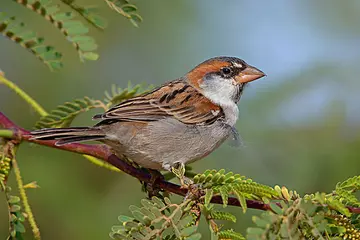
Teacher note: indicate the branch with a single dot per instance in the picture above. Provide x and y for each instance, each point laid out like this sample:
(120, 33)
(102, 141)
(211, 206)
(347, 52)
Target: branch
(103, 152)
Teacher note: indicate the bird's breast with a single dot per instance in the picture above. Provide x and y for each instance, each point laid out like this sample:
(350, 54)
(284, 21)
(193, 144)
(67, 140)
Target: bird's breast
(168, 141)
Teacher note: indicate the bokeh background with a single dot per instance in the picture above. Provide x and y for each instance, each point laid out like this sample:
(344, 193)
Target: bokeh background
(300, 124)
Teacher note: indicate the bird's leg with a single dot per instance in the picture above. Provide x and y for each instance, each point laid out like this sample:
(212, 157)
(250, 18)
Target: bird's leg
(194, 190)
(179, 170)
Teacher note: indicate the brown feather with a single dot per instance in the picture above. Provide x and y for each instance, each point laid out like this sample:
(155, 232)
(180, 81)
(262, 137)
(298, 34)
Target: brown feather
(176, 99)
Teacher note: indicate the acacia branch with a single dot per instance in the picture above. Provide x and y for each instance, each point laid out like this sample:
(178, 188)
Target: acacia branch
(103, 152)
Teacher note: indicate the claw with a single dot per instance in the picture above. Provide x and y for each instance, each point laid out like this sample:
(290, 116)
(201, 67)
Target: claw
(179, 170)
(194, 190)
(150, 187)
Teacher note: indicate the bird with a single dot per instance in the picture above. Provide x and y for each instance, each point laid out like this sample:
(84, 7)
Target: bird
(175, 124)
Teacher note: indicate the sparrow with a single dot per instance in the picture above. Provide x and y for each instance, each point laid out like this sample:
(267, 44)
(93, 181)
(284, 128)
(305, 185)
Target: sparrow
(175, 124)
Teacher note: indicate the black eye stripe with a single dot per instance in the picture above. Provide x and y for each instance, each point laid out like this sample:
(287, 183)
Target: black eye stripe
(228, 72)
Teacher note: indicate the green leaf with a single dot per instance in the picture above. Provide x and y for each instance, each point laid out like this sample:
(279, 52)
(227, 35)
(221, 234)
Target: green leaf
(137, 236)
(19, 227)
(13, 199)
(255, 231)
(196, 236)
(148, 213)
(276, 208)
(138, 216)
(146, 203)
(217, 215)
(156, 211)
(88, 46)
(185, 221)
(224, 193)
(15, 208)
(208, 196)
(177, 216)
(117, 228)
(16, 32)
(64, 114)
(170, 220)
(131, 225)
(188, 231)
(89, 13)
(127, 10)
(70, 28)
(241, 199)
(62, 16)
(230, 234)
(21, 217)
(260, 222)
(123, 218)
(216, 177)
(90, 56)
(167, 201)
(135, 19)
(75, 28)
(158, 202)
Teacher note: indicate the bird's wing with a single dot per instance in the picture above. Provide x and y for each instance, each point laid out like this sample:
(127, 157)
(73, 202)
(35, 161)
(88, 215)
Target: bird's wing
(176, 99)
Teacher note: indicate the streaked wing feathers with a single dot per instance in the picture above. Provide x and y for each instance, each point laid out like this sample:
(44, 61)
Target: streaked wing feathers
(176, 99)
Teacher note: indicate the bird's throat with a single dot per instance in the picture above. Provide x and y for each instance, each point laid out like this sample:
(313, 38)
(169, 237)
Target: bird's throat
(231, 112)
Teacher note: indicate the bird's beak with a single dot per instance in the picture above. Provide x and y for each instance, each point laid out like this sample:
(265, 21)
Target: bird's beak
(249, 74)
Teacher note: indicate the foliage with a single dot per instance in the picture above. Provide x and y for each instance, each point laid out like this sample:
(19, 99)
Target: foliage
(343, 196)
(5, 167)
(226, 184)
(90, 13)
(303, 219)
(74, 31)
(16, 215)
(344, 191)
(212, 216)
(126, 9)
(64, 114)
(314, 216)
(157, 219)
(117, 94)
(291, 216)
(16, 32)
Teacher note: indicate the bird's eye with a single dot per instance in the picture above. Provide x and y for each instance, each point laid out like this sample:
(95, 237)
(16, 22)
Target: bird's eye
(226, 70)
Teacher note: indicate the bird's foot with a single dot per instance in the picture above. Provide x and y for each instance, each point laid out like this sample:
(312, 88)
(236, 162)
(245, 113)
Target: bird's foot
(179, 170)
(151, 187)
(194, 190)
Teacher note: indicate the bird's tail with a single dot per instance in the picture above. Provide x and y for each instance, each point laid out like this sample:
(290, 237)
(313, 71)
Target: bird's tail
(68, 135)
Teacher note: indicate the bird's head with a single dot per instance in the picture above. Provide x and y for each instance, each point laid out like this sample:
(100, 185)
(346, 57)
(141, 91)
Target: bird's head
(222, 79)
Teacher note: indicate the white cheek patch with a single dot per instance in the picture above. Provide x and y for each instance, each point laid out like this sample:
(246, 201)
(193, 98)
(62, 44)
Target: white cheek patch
(221, 92)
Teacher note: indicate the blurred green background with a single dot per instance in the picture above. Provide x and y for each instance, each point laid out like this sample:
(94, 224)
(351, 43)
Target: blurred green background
(300, 124)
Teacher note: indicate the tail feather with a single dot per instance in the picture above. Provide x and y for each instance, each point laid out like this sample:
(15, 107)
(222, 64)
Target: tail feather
(58, 130)
(78, 139)
(68, 135)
